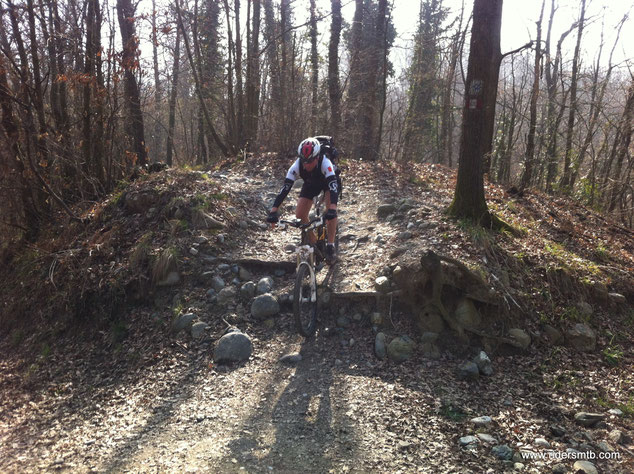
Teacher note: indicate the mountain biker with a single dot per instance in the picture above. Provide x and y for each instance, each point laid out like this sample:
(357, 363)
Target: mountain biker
(319, 173)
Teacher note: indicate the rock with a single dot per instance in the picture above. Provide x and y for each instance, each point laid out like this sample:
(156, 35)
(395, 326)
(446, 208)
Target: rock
(468, 371)
(615, 412)
(397, 252)
(198, 329)
(244, 274)
(430, 350)
(382, 284)
(484, 363)
(280, 272)
(224, 268)
(616, 436)
(486, 438)
(265, 285)
(585, 310)
(400, 349)
(518, 466)
(201, 239)
(220, 238)
(541, 443)
(604, 447)
(290, 248)
(467, 440)
(405, 235)
(410, 225)
(183, 321)
(357, 317)
(502, 452)
(385, 210)
(291, 359)
(617, 298)
(376, 319)
(560, 469)
(138, 202)
(247, 290)
(265, 306)
(482, 420)
(172, 279)
(380, 350)
(217, 283)
(233, 347)
(557, 431)
(585, 467)
(226, 295)
(343, 322)
(211, 295)
(582, 338)
(520, 338)
(467, 314)
(193, 251)
(429, 337)
(553, 334)
(588, 419)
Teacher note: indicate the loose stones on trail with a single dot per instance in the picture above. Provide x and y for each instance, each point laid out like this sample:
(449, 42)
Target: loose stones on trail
(233, 347)
(265, 306)
(400, 349)
(582, 338)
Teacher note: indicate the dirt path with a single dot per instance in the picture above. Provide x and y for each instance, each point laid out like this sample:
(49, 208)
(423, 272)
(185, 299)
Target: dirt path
(161, 405)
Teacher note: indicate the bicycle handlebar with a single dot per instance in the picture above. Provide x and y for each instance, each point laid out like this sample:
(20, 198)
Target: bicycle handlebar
(308, 226)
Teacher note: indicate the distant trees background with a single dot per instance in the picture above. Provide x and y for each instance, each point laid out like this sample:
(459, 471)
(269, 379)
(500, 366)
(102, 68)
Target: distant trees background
(90, 89)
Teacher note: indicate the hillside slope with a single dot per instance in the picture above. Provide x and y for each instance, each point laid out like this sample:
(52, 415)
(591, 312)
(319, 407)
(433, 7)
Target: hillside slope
(93, 377)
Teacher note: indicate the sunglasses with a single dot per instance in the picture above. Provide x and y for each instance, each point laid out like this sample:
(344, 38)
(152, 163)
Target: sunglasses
(309, 160)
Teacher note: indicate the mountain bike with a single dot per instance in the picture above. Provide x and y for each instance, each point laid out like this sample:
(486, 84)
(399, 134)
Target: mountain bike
(310, 258)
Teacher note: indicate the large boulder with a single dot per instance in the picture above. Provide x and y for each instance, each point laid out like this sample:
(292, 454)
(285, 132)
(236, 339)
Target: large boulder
(264, 306)
(138, 202)
(385, 210)
(467, 314)
(400, 349)
(582, 338)
(233, 347)
(520, 338)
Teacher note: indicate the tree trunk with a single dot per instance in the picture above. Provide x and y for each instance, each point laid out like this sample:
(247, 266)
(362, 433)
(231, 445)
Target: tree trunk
(478, 117)
(239, 85)
(366, 146)
(156, 139)
(130, 64)
(314, 60)
(529, 161)
(565, 179)
(31, 219)
(357, 84)
(334, 89)
(172, 105)
(253, 79)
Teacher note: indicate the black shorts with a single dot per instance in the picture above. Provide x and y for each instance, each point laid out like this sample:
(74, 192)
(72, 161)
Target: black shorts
(310, 189)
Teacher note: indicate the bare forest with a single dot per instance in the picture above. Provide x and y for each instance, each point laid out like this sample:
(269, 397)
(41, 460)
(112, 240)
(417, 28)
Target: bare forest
(92, 90)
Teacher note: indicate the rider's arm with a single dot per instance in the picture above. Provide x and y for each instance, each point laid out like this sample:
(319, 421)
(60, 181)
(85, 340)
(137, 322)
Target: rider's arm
(328, 170)
(291, 176)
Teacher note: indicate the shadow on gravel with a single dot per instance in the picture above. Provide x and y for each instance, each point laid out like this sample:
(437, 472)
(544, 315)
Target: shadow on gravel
(301, 429)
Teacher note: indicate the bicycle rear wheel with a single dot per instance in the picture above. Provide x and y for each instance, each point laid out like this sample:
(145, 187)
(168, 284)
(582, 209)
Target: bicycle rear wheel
(305, 301)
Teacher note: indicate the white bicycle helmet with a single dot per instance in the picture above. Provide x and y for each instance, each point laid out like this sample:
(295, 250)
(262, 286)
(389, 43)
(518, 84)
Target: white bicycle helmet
(308, 150)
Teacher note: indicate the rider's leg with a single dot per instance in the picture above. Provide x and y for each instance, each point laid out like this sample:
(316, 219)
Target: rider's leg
(332, 223)
(301, 212)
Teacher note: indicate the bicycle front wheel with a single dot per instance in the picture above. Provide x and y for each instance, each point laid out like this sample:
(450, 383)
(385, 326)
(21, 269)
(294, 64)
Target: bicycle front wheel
(305, 301)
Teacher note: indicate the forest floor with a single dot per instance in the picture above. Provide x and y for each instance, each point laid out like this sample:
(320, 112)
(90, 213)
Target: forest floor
(126, 394)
